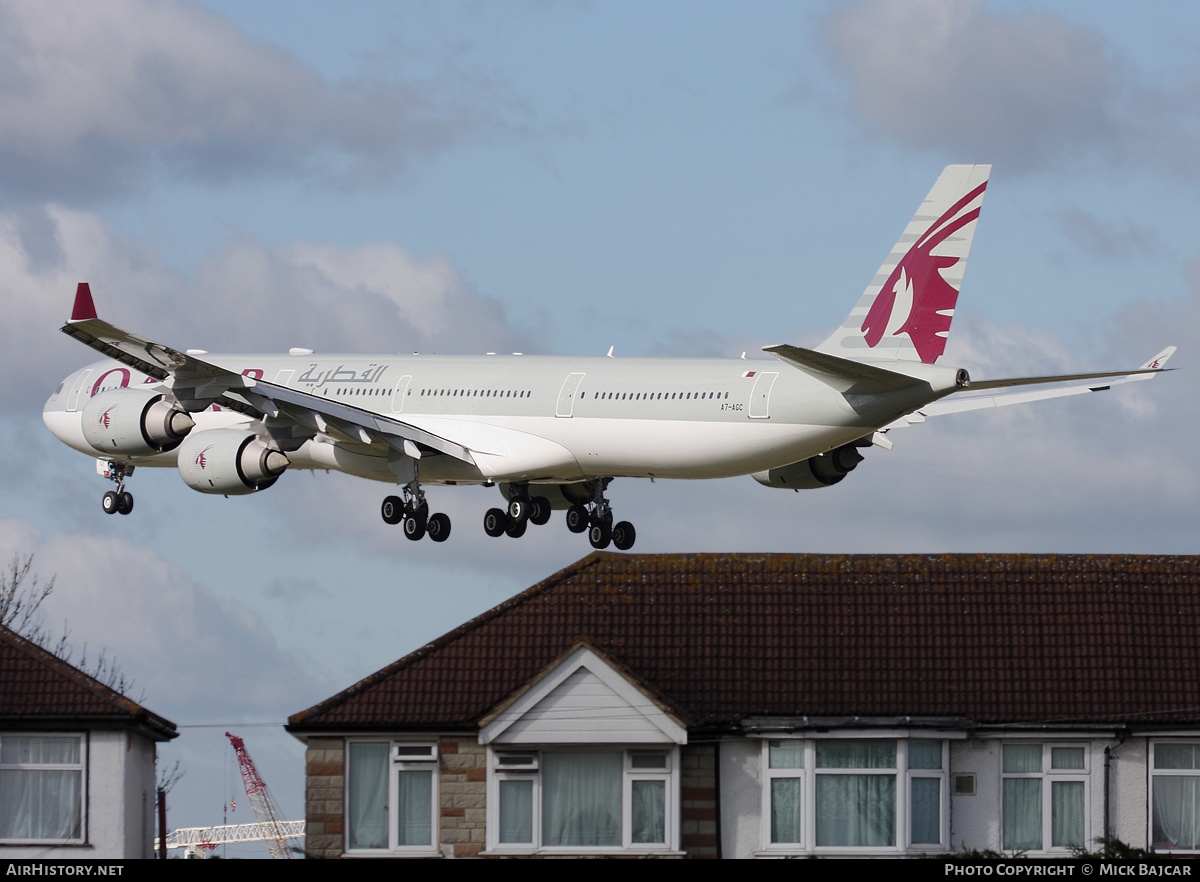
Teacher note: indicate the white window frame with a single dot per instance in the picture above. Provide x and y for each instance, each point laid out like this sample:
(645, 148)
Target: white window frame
(80, 767)
(1049, 776)
(499, 772)
(1156, 773)
(403, 755)
(901, 773)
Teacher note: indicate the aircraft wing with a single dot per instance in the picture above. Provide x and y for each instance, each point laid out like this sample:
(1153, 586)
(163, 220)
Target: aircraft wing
(965, 401)
(197, 384)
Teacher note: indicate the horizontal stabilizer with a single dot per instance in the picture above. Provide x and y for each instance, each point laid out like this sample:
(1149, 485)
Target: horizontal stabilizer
(965, 402)
(1153, 366)
(842, 373)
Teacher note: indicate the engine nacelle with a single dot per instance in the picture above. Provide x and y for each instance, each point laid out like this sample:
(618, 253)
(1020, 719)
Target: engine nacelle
(231, 462)
(135, 422)
(822, 470)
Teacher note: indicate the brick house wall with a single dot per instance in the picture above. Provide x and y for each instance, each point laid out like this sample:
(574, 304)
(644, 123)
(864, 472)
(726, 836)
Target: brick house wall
(698, 794)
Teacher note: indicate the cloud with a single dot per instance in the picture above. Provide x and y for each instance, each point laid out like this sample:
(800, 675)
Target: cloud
(248, 296)
(99, 98)
(192, 653)
(1020, 89)
(1106, 239)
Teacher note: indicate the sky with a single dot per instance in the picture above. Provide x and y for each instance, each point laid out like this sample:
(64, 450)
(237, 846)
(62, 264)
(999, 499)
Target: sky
(667, 179)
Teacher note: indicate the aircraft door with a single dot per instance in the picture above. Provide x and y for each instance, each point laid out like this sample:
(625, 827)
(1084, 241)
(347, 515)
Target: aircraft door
(566, 395)
(284, 377)
(73, 395)
(760, 396)
(400, 393)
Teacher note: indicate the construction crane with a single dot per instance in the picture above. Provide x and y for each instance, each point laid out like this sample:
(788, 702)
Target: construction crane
(260, 799)
(199, 840)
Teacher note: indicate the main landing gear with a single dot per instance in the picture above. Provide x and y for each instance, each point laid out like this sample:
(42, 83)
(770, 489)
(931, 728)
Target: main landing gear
(119, 501)
(522, 510)
(593, 517)
(413, 512)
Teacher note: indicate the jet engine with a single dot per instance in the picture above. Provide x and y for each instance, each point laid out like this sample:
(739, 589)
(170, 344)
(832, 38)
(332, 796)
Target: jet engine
(822, 470)
(135, 422)
(231, 462)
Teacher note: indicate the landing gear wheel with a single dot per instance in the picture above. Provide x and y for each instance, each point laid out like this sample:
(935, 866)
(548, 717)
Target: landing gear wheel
(438, 527)
(600, 534)
(518, 509)
(623, 535)
(124, 502)
(414, 525)
(111, 502)
(577, 518)
(539, 510)
(393, 510)
(516, 529)
(495, 522)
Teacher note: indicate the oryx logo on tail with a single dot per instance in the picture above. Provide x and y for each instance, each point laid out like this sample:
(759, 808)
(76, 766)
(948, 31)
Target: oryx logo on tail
(918, 280)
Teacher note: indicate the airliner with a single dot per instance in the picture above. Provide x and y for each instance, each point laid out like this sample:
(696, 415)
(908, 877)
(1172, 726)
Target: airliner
(551, 432)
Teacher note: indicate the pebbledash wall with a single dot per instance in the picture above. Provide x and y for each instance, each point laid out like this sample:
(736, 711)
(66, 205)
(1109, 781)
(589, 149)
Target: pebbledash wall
(1115, 778)
(117, 771)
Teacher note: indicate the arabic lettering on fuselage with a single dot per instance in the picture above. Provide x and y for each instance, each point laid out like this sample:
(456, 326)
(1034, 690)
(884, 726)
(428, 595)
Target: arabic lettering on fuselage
(372, 373)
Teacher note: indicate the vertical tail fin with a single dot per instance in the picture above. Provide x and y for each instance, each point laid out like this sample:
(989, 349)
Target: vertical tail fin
(906, 311)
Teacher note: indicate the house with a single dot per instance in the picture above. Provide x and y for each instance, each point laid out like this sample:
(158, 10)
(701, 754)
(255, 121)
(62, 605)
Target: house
(76, 761)
(769, 705)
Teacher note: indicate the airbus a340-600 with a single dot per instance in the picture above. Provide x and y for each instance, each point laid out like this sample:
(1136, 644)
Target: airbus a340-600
(552, 432)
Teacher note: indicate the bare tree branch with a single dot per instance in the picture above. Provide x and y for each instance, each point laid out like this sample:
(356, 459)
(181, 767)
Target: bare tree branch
(21, 599)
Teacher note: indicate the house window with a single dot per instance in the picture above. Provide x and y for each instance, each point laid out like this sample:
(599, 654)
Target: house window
(1175, 796)
(1044, 797)
(582, 800)
(391, 790)
(863, 793)
(41, 788)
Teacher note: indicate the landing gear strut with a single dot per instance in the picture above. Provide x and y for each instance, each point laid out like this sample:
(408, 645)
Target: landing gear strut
(412, 510)
(119, 501)
(599, 522)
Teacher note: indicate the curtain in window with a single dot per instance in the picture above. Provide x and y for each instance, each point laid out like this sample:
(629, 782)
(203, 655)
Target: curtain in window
(581, 798)
(415, 824)
(41, 803)
(1176, 810)
(367, 814)
(865, 754)
(1022, 812)
(516, 811)
(785, 809)
(649, 811)
(1066, 814)
(858, 810)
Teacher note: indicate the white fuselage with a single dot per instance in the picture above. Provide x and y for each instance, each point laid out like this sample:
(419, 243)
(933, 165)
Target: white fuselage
(544, 419)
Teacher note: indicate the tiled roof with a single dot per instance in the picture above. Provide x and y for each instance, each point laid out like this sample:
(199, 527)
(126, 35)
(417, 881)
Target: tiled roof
(988, 638)
(39, 689)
